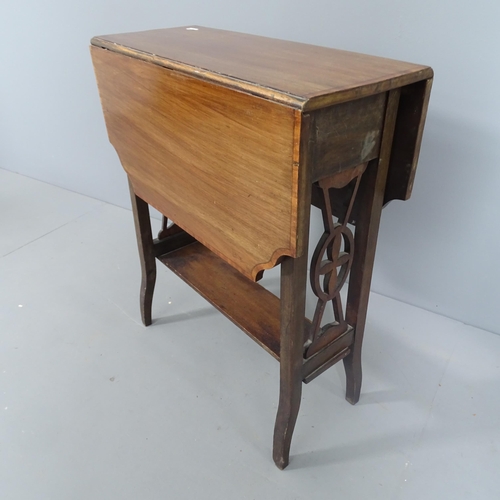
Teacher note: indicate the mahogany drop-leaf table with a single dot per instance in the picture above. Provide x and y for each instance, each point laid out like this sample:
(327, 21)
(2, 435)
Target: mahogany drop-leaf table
(233, 137)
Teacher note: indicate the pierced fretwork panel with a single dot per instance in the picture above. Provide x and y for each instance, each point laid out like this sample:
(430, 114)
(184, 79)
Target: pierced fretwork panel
(331, 261)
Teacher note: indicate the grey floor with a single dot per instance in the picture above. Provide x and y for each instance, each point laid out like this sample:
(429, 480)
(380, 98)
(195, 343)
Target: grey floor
(95, 406)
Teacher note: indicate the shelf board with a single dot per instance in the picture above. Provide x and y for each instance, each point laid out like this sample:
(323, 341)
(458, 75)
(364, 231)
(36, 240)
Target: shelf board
(247, 304)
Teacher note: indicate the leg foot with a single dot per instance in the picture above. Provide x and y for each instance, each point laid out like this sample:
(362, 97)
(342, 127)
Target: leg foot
(288, 410)
(146, 297)
(354, 376)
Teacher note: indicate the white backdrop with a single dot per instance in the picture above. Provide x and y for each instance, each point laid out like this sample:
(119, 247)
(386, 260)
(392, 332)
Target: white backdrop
(437, 251)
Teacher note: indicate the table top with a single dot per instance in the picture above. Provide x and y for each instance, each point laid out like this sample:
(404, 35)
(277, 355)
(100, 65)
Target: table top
(299, 75)
(224, 132)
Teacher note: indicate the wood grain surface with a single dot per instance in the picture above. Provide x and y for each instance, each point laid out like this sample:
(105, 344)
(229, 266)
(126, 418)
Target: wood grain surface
(297, 74)
(346, 134)
(221, 164)
(247, 304)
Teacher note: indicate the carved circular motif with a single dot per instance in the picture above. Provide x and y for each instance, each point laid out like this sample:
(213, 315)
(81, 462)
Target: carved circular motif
(332, 260)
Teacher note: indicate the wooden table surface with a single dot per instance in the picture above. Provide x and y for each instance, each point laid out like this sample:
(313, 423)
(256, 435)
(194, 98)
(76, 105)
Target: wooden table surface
(214, 144)
(300, 75)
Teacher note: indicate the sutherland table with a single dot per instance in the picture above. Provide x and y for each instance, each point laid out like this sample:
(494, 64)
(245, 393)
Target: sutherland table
(232, 137)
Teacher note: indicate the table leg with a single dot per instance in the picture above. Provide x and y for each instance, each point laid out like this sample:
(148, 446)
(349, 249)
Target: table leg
(370, 199)
(293, 287)
(146, 254)
(365, 241)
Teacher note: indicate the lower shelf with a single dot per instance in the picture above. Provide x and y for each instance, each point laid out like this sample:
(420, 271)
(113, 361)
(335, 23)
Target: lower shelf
(247, 304)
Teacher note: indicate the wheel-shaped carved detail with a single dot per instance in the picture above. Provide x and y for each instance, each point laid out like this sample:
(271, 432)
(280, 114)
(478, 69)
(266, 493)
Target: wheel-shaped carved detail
(331, 263)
